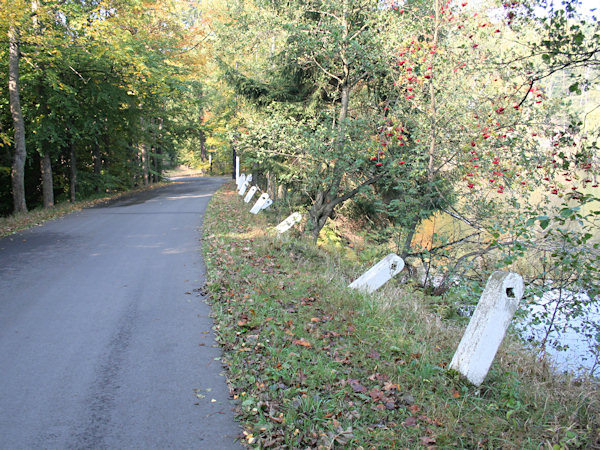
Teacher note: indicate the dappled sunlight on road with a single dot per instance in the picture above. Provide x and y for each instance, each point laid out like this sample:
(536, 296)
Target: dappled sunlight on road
(179, 197)
(177, 251)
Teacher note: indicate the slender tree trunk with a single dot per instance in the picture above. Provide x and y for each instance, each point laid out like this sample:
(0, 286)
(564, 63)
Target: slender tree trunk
(144, 155)
(281, 192)
(159, 164)
(73, 172)
(106, 141)
(409, 237)
(154, 156)
(203, 154)
(47, 184)
(271, 186)
(97, 160)
(159, 160)
(328, 199)
(18, 164)
(145, 164)
(45, 160)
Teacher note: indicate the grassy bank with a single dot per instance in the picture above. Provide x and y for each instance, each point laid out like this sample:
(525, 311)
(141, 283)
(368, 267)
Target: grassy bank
(21, 221)
(315, 365)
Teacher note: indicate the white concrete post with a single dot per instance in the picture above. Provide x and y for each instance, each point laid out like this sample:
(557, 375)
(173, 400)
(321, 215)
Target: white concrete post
(244, 186)
(379, 274)
(259, 203)
(237, 171)
(268, 202)
(240, 180)
(289, 222)
(250, 194)
(486, 330)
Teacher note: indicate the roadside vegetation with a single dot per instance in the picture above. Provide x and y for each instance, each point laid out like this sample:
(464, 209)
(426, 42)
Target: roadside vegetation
(312, 364)
(461, 135)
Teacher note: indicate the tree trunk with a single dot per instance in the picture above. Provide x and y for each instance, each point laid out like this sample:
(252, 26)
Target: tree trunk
(73, 172)
(97, 159)
(409, 237)
(159, 160)
(326, 202)
(18, 164)
(106, 141)
(154, 155)
(145, 156)
(319, 213)
(203, 154)
(47, 184)
(271, 186)
(145, 164)
(45, 161)
(257, 177)
(281, 191)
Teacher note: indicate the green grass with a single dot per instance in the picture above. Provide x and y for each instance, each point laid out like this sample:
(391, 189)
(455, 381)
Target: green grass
(313, 364)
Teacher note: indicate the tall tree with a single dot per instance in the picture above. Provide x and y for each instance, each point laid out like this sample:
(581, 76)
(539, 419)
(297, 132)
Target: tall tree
(44, 150)
(20, 152)
(327, 54)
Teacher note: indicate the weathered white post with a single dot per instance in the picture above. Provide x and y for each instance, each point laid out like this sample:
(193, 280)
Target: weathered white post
(379, 274)
(486, 330)
(240, 180)
(289, 222)
(250, 194)
(259, 203)
(244, 187)
(237, 170)
(268, 202)
(246, 184)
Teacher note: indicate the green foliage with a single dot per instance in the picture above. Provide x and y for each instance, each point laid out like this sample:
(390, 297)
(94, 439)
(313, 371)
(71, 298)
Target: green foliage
(102, 88)
(454, 139)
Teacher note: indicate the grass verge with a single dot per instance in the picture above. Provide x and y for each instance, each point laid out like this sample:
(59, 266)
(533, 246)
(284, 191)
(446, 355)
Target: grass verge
(21, 221)
(313, 364)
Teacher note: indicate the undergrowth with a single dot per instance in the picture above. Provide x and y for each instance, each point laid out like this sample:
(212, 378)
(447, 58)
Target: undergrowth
(313, 364)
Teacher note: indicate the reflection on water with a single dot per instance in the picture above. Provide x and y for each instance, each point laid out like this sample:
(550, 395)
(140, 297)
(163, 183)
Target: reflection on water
(577, 334)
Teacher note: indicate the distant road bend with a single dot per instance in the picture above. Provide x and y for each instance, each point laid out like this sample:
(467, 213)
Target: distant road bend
(105, 341)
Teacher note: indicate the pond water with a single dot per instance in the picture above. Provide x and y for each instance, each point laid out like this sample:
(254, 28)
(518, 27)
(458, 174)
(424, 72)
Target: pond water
(580, 351)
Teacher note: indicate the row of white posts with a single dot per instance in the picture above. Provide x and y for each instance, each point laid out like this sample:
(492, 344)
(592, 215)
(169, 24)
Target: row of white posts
(243, 183)
(488, 325)
(263, 202)
(485, 332)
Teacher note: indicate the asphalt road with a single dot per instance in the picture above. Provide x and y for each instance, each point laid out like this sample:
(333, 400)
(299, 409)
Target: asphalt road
(105, 341)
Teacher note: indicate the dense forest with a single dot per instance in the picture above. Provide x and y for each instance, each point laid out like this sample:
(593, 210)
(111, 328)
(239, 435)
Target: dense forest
(463, 135)
(97, 96)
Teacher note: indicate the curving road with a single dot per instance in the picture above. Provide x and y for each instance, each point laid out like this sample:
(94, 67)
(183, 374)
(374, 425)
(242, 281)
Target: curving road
(105, 341)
